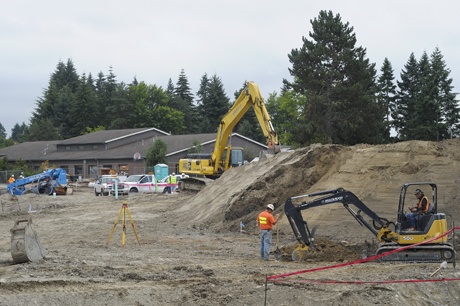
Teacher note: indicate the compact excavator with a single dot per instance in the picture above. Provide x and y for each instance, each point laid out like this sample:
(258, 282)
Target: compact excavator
(391, 235)
(201, 167)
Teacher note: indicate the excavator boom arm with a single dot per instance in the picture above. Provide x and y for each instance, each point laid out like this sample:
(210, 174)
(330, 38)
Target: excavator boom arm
(347, 198)
(250, 96)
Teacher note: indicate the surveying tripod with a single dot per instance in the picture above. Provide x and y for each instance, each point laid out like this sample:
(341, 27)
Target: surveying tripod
(123, 212)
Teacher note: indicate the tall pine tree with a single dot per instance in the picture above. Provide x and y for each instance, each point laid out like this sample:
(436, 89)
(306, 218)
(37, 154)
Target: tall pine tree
(406, 100)
(339, 83)
(445, 97)
(213, 103)
(386, 96)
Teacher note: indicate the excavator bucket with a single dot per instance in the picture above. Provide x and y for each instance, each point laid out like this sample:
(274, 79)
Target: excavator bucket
(25, 245)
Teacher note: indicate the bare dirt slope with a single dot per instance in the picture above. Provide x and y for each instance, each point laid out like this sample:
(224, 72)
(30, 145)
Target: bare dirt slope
(192, 252)
(374, 173)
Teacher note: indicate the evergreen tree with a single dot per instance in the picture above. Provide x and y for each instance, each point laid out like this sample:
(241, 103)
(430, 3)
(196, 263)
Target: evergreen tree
(218, 102)
(170, 90)
(426, 106)
(427, 111)
(183, 97)
(62, 118)
(202, 101)
(444, 97)
(403, 114)
(56, 104)
(120, 112)
(18, 131)
(339, 84)
(183, 102)
(4, 142)
(84, 108)
(213, 103)
(2, 131)
(101, 98)
(42, 129)
(386, 96)
(107, 98)
(65, 75)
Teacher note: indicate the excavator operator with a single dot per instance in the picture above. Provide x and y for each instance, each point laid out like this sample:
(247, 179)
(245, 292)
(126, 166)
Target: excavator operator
(418, 211)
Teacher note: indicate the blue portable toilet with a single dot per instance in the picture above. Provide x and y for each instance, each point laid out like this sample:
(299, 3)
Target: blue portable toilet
(161, 171)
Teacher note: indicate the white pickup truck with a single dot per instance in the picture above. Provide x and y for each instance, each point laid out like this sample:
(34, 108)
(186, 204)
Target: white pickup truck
(143, 183)
(106, 186)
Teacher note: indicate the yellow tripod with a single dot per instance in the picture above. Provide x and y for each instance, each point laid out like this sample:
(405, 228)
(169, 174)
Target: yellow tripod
(123, 212)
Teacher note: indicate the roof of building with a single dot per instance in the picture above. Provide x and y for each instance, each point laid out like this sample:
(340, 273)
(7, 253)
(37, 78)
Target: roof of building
(47, 150)
(34, 150)
(106, 136)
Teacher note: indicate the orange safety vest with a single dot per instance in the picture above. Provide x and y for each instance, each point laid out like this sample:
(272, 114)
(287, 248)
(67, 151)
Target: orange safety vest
(419, 205)
(11, 180)
(265, 220)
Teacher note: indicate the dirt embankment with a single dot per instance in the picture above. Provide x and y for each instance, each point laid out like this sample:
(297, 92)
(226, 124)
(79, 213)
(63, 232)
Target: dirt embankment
(374, 173)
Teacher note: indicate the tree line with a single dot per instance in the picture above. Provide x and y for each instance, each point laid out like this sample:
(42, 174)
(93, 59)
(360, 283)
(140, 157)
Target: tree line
(335, 96)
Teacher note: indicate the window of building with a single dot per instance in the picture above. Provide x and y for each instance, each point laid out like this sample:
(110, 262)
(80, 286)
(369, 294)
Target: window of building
(94, 146)
(93, 171)
(78, 170)
(67, 148)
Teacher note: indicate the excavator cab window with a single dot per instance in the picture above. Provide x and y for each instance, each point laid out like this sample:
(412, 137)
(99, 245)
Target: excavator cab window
(407, 200)
(237, 157)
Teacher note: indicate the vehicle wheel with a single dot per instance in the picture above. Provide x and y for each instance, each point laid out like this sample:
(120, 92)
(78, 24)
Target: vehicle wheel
(133, 190)
(95, 192)
(447, 254)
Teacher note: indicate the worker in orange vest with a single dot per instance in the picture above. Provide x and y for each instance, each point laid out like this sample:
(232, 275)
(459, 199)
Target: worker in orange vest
(265, 221)
(11, 179)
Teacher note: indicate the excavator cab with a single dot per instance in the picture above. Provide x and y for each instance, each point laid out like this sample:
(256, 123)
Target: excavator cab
(423, 221)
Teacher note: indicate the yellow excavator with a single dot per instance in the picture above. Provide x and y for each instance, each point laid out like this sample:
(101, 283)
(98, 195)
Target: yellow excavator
(391, 235)
(200, 166)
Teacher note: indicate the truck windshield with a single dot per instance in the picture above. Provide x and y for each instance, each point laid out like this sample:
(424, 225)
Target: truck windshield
(133, 178)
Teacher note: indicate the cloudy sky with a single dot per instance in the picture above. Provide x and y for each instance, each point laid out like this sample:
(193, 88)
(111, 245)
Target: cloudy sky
(236, 40)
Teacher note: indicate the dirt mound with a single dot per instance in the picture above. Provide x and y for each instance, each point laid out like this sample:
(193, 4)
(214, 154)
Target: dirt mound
(374, 173)
(241, 193)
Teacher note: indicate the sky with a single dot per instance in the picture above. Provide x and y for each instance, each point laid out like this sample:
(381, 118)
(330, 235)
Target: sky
(236, 40)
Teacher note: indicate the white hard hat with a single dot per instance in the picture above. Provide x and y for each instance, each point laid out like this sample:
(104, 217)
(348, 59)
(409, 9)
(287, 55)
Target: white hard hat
(173, 173)
(12, 175)
(270, 206)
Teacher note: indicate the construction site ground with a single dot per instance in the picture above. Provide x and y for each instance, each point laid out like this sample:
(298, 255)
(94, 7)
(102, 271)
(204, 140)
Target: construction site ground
(203, 248)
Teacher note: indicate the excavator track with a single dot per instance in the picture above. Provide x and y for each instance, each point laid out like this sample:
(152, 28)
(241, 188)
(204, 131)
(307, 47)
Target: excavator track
(195, 184)
(421, 253)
